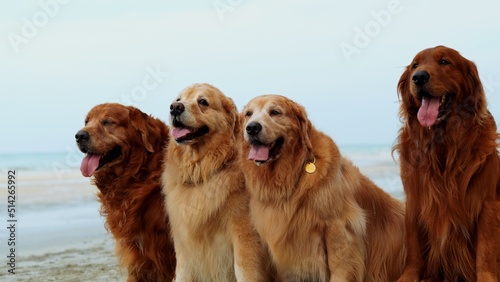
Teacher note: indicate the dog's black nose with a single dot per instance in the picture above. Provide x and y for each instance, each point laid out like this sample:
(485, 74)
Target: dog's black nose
(420, 77)
(176, 108)
(253, 128)
(82, 136)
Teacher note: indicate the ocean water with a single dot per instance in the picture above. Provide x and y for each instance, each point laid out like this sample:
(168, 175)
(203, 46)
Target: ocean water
(378, 163)
(41, 161)
(368, 155)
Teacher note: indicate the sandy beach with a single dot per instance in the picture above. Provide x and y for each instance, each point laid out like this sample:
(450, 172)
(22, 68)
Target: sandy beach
(60, 235)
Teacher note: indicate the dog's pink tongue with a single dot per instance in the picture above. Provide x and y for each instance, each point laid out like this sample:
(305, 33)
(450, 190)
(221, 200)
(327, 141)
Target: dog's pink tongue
(89, 164)
(180, 132)
(258, 153)
(429, 111)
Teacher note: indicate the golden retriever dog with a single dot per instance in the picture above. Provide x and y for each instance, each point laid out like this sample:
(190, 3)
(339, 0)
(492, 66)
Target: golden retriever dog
(206, 198)
(124, 150)
(321, 219)
(450, 170)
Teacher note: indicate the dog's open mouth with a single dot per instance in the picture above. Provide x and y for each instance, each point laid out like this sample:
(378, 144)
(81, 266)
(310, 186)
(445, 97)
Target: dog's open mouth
(184, 134)
(261, 153)
(92, 162)
(433, 109)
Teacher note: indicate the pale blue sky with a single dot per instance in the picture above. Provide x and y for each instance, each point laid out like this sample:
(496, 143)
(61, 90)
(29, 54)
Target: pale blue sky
(59, 59)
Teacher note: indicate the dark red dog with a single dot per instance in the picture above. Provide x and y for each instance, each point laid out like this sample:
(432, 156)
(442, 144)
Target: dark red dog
(124, 150)
(450, 169)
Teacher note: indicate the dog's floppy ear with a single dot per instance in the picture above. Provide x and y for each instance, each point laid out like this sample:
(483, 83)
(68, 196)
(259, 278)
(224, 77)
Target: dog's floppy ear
(305, 124)
(231, 109)
(474, 89)
(408, 106)
(241, 122)
(139, 121)
(403, 86)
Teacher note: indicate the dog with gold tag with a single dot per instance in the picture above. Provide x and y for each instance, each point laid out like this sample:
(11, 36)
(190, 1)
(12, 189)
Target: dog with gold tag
(319, 216)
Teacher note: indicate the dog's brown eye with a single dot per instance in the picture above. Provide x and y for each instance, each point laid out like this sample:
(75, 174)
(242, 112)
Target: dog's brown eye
(203, 102)
(106, 122)
(86, 121)
(274, 112)
(248, 113)
(414, 66)
(444, 62)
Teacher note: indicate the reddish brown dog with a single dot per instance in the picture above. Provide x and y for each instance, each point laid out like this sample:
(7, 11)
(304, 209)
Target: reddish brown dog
(450, 170)
(124, 150)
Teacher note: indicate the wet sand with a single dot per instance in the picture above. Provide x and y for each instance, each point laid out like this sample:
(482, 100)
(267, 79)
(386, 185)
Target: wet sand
(60, 235)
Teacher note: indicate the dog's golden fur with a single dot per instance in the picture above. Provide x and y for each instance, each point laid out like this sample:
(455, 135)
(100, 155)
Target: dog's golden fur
(450, 170)
(127, 147)
(331, 225)
(205, 192)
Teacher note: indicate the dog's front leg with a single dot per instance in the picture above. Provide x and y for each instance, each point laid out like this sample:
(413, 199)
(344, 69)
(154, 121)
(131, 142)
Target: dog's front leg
(250, 260)
(488, 242)
(345, 252)
(182, 273)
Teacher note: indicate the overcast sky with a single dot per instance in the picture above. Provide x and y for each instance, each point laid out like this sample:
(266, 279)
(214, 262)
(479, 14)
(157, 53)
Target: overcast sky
(340, 59)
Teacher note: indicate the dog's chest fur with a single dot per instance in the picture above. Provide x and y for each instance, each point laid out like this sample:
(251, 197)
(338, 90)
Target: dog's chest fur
(201, 217)
(291, 233)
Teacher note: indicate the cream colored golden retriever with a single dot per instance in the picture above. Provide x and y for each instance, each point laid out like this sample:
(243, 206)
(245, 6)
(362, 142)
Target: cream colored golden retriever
(321, 219)
(206, 198)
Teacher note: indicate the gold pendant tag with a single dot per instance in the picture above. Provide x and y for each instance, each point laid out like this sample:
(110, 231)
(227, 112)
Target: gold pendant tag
(310, 168)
